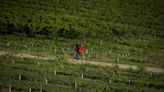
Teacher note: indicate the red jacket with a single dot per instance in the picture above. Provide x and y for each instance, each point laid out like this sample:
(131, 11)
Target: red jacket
(79, 49)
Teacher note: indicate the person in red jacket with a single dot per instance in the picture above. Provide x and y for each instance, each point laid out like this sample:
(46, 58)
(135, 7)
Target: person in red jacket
(79, 50)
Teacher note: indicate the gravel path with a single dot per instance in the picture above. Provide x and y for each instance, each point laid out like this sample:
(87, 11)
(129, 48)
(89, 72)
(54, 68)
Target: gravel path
(73, 61)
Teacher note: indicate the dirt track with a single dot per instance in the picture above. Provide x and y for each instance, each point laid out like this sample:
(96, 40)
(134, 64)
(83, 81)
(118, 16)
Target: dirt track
(72, 61)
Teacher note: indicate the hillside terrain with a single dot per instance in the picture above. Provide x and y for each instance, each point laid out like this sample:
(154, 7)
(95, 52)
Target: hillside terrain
(113, 32)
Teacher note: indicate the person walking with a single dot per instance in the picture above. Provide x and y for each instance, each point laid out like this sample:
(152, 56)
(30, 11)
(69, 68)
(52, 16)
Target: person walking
(79, 48)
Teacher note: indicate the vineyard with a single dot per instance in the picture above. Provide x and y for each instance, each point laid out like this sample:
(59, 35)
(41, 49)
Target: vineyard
(126, 32)
(105, 19)
(48, 76)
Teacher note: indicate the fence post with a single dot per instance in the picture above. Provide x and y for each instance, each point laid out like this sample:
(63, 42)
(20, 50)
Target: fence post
(29, 89)
(8, 44)
(46, 81)
(54, 72)
(75, 85)
(82, 76)
(38, 63)
(13, 61)
(10, 89)
(129, 82)
(40, 89)
(19, 77)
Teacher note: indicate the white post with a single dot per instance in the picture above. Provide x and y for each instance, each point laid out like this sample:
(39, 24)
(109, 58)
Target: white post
(113, 73)
(54, 72)
(46, 81)
(91, 49)
(123, 56)
(13, 61)
(117, 59)
(21, 57)
(62, 49)
(55, 50)
(110, 51)
(105, 54)
(8, 44)
(9, 89)
(40, 89)
(19, 77)
(75, 85)
(82, 76)
(86, 51)
(68, 49)
(110, 81)
(129, 82)
(29, 89)
(43, 48)
(101, 42)
(26, 46)
(38, 63)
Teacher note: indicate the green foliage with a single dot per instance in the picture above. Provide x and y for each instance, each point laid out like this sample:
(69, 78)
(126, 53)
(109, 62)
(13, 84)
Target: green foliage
(83, 19)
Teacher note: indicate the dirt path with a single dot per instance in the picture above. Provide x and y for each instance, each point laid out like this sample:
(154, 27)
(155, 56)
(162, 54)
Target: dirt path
(72, 61)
